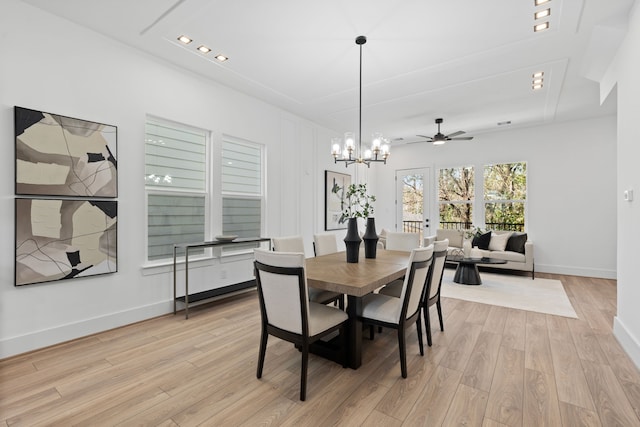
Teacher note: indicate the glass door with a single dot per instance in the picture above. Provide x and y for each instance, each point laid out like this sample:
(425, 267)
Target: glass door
(413, 201)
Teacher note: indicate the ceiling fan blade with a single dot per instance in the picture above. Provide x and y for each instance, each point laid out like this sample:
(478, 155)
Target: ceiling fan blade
(425, 136)
(451, 135)
(465, 138)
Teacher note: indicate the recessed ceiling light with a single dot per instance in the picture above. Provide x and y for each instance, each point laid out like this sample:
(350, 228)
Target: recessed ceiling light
(204, 49)
(542, 13)
(184, 39)
(221, 58)
(539, 2)
(537, 86)
(541, 27)
(538, 74)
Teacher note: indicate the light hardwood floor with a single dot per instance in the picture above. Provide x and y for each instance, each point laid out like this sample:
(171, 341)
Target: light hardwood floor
(492, 366)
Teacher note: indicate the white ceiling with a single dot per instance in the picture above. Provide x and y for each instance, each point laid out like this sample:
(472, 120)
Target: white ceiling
(467, 61)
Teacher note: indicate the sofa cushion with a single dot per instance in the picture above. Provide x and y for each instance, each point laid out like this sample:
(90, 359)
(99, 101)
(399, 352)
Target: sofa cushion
(516, 242)
(482, 241)
(499, 241)
(455, 237)
(505, 255)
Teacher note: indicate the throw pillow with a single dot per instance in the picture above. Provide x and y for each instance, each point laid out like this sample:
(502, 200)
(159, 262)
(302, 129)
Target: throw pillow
(516, 242)
(482, 241)
(499, 241)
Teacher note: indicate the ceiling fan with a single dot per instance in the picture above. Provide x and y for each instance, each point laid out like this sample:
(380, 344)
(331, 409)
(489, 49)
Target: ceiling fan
(439, 138)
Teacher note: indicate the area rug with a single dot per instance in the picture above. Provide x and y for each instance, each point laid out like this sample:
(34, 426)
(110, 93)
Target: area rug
(540, 295)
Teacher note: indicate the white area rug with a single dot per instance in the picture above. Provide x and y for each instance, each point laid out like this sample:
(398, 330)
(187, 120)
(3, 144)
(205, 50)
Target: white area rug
(540, 295)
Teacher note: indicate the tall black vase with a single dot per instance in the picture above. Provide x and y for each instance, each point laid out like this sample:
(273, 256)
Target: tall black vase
(370, 239)
(352, 240)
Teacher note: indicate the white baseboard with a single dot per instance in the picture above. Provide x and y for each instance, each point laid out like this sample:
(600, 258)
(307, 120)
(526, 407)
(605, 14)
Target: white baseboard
(628, 342)
(576, 271)
(47, 337)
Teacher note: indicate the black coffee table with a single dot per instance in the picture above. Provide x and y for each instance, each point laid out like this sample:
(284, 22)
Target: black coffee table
(467, 272)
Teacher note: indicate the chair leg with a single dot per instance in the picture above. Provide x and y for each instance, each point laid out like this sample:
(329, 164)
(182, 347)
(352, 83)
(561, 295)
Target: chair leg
(419, 329)
(263, 350)
(341, 302)
(344, 343)
(402, 346)
(303, 371)
(371, 332)
(427, 324)
(439, 307)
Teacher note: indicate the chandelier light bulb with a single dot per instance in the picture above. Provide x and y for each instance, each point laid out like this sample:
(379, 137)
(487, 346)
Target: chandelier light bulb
(349, 140)
(376, 140)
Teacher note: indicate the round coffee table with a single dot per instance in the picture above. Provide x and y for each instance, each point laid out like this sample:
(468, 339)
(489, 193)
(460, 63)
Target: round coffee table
(467, 272)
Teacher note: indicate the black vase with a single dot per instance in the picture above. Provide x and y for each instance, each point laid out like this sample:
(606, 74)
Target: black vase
(370, 239)
(352, 241)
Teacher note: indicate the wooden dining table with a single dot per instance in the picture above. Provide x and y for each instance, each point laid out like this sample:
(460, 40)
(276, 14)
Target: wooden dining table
(333, 273)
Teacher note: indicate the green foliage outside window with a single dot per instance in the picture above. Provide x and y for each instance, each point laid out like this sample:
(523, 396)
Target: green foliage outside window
(505, 192)
(456, 194)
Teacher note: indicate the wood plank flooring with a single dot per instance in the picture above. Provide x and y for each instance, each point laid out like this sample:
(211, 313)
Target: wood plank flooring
(493, 366)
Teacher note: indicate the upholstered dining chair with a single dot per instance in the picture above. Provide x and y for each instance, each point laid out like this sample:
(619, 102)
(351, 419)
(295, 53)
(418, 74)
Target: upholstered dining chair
(288, 244)
(402, 241)
(296, 244)
(432, 290)
(325, 243)
(286, 311)
(400, 313)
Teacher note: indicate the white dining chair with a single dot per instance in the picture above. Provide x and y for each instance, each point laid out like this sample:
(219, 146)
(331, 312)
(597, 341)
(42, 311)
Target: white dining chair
(400, 313)
(296, 244)
(402, 241)
(286, 311)
(288, 244)
(325, 243)
(432, 291)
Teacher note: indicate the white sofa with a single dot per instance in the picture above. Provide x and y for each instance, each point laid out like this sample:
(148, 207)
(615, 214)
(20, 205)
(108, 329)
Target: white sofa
(515, 260)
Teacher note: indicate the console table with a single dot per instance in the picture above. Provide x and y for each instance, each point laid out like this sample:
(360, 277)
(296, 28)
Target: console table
(187, 246)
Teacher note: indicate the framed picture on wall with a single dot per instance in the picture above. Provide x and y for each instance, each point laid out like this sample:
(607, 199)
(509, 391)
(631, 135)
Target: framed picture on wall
(335, 185)
(58, 239)
(64, 156)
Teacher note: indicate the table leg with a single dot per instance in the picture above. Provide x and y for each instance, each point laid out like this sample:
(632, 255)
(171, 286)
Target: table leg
(174, 279)
(354, 350)
(467, 274)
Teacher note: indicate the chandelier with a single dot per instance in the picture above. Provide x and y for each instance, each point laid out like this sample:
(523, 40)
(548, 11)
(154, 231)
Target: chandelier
(379, 150)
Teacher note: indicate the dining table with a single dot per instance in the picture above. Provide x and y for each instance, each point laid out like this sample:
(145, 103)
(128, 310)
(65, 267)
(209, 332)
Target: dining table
(333, 273)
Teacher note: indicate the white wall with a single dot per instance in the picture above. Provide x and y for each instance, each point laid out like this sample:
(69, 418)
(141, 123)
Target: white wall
(53, 65)
(626, 70)
(571, 172)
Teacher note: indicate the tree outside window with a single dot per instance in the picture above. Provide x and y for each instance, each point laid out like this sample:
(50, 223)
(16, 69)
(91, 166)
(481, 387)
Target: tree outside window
(505, 193)
(455, 197)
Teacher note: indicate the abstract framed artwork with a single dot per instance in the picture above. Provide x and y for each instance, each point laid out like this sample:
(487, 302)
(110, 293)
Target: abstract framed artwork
(334, 188)
(64, 156)
(59, 239)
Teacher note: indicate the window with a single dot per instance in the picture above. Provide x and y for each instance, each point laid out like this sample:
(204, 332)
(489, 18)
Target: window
(179, 195)
(175, 182)
(242, 189)
(455, 197)
(505, 193)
